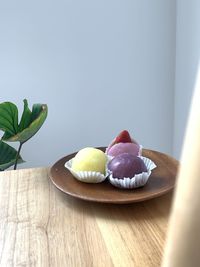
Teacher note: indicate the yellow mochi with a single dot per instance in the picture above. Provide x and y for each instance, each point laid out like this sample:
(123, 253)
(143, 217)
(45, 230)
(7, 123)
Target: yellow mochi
(90, 159)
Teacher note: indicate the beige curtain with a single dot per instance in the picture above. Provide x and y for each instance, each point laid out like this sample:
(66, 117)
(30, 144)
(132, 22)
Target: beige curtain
(183, 240)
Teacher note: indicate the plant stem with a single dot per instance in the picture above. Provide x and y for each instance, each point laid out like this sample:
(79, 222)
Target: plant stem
(17, 156)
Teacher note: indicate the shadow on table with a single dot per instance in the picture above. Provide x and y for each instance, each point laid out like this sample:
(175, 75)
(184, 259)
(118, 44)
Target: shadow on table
(156, 208)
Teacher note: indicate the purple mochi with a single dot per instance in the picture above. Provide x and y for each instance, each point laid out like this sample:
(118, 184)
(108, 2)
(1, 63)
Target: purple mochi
(126, 165)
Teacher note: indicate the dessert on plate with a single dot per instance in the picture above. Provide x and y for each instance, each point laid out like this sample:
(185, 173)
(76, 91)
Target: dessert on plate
(128, 171)
(123, 143)
(127, 168)
(88, 165)
(122, 163)
(126, 165)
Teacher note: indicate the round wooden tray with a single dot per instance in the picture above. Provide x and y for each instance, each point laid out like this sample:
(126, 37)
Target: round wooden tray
(161, 181)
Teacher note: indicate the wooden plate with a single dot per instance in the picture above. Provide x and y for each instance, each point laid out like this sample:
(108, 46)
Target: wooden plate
(161, 181)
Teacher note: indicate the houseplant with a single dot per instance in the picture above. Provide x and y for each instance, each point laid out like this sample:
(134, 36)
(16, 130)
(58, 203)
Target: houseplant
(18, 131)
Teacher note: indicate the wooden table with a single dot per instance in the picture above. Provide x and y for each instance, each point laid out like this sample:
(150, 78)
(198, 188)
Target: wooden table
(41, 226)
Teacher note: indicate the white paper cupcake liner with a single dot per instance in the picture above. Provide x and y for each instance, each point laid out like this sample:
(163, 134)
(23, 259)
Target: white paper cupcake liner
(140, 151)
(86, 176)
(138, 180)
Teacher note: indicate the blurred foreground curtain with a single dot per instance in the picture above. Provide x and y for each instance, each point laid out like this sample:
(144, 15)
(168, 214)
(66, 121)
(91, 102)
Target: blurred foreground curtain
(183, 240)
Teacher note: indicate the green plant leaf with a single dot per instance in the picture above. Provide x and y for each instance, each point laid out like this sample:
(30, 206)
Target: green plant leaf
(26, 117)
(34, 126)
(8, 156)
(30, 122)
(8, 119)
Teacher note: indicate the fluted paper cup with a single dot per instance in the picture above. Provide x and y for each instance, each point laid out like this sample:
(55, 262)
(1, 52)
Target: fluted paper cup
(138, 180)
(86, 176)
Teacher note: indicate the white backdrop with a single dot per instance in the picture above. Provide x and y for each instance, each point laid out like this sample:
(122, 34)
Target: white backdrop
(187, 61)
(101, 66)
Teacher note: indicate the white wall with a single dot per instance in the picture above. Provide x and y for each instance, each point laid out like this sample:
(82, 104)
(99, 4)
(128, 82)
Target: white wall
(101, 66)
(187, 60)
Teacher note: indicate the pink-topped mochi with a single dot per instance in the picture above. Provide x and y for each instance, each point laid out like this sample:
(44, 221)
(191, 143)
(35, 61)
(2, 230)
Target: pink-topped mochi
(120, 148)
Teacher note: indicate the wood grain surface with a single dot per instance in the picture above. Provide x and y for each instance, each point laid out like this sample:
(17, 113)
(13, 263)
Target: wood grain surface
(41, 226)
